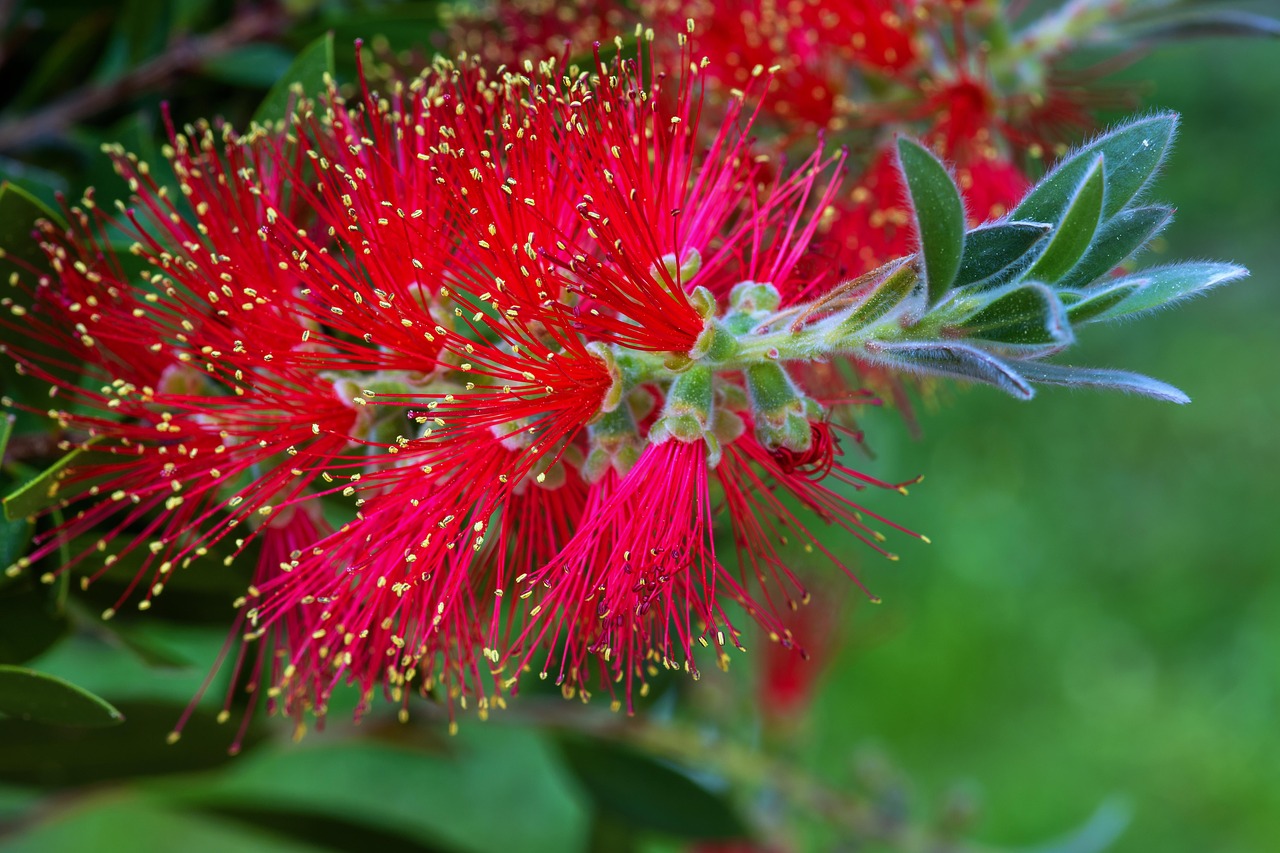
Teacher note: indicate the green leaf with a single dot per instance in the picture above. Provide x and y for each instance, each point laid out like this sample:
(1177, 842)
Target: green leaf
(1201, 24)
(1119, 239)
(122, 820)
(993, 254)
(64, 756)
(28, 624)
(1133, 153)
(15, 535)
(308, 70)
(1111, 380)
(6, 430)
(42, 491)
(891, 292)
(1162, 286)
(403, 25)
(1073, 235)
(30, 695)
(1086, 305)
(951, 360)
(635, 789)
(1023, 315)
(19, 211)
(939, 215)
(451, 797)
(258, 65)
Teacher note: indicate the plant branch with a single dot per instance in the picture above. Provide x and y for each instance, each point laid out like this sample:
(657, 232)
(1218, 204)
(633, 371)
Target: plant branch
(179, 57)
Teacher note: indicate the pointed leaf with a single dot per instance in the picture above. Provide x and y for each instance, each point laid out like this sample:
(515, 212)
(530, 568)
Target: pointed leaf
(891, 292)
(14, 534)
(939, 215)
(993, 254)
(646, 794)
(30, 695)
(1093, 377)
(466, 785)
(1075, 232)
(953, 360)
(308, 70)
(1023, 315)
(1133, 152)
(1083, 306)
(6, 430)
(1164, 286)
(1201, 24)
(1119, 239)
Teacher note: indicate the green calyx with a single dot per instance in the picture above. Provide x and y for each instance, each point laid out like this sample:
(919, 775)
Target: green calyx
(780, 413)
(614, 443)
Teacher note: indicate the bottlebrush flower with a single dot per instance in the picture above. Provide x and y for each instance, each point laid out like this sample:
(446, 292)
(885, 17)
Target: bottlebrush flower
(184, 432)
(545, 336)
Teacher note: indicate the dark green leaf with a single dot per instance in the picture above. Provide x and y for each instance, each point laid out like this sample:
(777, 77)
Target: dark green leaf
(952, 360)
(140, 31)
(451, 797)
(1111, 380)
(308, 71)
(1119, 239)
(42, 491)
(252, 65)
(1024, 315)
(1072, 236)
(6, 430)
(939, 215)
(993, 254)
(19, 211)
(66, 61)
(28, 625)
(635, 789)
(29, 695)
(14, 535)
(124, 821)
(93, 658)
(1162, 286)
(403, 25)
(65, 756)
(1133, 153)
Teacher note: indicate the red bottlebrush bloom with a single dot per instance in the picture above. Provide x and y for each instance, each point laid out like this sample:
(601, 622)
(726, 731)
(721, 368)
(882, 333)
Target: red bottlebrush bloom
(410, 301)
(186, 435)
(511, 31)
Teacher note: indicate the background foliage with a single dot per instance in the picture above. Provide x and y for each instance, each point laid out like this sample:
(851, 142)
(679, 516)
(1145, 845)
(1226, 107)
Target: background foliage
(1092, 632)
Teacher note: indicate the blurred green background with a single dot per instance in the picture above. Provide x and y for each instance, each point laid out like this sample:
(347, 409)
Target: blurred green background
(1094, 627)
(1099, 611)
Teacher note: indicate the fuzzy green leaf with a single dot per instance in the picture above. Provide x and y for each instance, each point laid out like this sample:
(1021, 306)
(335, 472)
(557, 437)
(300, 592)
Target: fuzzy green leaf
(30, 695)
(993, 254)
(939, 215)
(1075, 232)
(308, 70)
(1112, 380)
(952, 360)
(1162, 286)
(1023, 315)
(1133, 153)
(1083, 306)
(891, 292)
(1119, 239)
